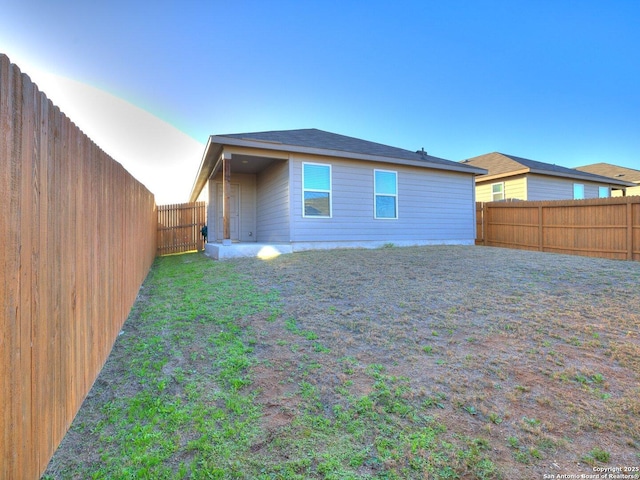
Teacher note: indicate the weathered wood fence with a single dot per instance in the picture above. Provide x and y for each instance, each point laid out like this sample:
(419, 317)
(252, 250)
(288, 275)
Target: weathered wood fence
(179, 227)
(603, 227)
(78, 238)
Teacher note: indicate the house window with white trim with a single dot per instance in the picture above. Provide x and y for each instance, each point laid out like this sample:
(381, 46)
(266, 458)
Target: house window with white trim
(603, 192)
(385, 192)
(316, 190)
(497, 191)
(578, 191)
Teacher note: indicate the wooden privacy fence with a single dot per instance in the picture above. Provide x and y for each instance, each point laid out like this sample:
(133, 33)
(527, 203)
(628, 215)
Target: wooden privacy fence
(179, 227)
(78, 238)
(603, 227)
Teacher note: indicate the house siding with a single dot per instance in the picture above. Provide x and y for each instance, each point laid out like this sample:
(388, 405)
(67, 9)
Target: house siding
(272, 186)
(630, 191)
(483, 192)
(433, 205)
(514, 189)
(542, 187)
(247, 207)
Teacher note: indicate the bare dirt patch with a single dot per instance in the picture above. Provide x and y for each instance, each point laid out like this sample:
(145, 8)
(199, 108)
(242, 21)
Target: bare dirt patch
(537, 353)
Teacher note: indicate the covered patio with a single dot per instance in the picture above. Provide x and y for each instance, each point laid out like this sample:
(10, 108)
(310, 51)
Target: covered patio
(239, 175)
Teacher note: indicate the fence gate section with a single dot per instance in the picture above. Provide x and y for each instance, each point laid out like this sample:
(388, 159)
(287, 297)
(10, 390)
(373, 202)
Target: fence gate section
(179, 227)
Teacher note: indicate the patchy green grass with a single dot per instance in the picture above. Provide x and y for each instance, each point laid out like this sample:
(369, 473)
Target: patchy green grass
(390, 363)
(177, 393)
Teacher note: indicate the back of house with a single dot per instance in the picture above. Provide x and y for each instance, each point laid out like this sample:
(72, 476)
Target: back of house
(314, 189)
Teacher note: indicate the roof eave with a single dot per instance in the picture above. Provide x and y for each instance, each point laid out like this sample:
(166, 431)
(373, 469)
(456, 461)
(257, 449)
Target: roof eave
(207, 165)
(585, 178)
(548, 173)
(222, 141)
(498, 176)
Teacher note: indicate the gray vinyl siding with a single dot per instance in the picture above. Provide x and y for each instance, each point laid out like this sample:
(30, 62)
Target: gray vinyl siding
(247, 206)
(591, 190)
(273, 203)
(433, 205)
(543, 187)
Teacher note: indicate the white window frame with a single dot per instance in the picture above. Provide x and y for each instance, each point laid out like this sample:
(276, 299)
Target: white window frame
(580, 186)
(330, 191)
(376, 195)
(605, 190)
(493, 199)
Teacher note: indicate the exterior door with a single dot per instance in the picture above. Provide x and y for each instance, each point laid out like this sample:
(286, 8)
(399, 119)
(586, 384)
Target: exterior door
(234, 212)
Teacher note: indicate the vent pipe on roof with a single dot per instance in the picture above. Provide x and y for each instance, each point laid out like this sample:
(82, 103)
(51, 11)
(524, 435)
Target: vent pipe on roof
(422, 152)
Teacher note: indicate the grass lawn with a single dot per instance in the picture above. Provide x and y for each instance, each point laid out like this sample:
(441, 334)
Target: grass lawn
(429, 362)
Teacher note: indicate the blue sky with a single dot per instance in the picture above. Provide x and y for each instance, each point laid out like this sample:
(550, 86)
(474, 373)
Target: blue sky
(556, 81)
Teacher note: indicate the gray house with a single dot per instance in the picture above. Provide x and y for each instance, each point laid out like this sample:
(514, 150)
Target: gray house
(307, 189)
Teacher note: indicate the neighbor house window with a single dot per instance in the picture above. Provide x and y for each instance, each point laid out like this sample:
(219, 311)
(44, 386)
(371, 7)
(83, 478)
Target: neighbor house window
(497, 191)
(603, 192)
(578, 191)
(316, 190)
(385, 193)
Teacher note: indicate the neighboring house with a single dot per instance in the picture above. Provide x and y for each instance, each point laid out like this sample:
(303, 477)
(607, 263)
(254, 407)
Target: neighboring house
(514, 178)
(618, 173)
(314, 189)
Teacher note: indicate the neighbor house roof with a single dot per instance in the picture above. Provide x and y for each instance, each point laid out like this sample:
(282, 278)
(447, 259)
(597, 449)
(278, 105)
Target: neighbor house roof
(500, 165)
(319, 142)
(612, 171)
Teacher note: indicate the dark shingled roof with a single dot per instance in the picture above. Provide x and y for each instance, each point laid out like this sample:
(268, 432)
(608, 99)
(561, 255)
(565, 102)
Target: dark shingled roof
(314, 138)
(612, 171)
(318, 142)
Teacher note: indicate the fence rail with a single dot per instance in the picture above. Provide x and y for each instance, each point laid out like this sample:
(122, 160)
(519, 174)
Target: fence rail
(179, 227)
(78, 238)
(604, 227)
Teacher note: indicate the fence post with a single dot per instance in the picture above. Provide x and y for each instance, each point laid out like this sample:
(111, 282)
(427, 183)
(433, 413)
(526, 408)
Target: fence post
(540, 229)
(629, 229)
(485, 222)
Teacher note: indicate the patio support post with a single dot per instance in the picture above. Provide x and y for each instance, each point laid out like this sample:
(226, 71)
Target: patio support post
(226, 198)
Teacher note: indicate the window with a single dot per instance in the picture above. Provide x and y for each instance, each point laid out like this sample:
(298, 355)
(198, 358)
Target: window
(497, 191)
(578, 191)
(603, 192)
(385, 192)
(316, 190)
